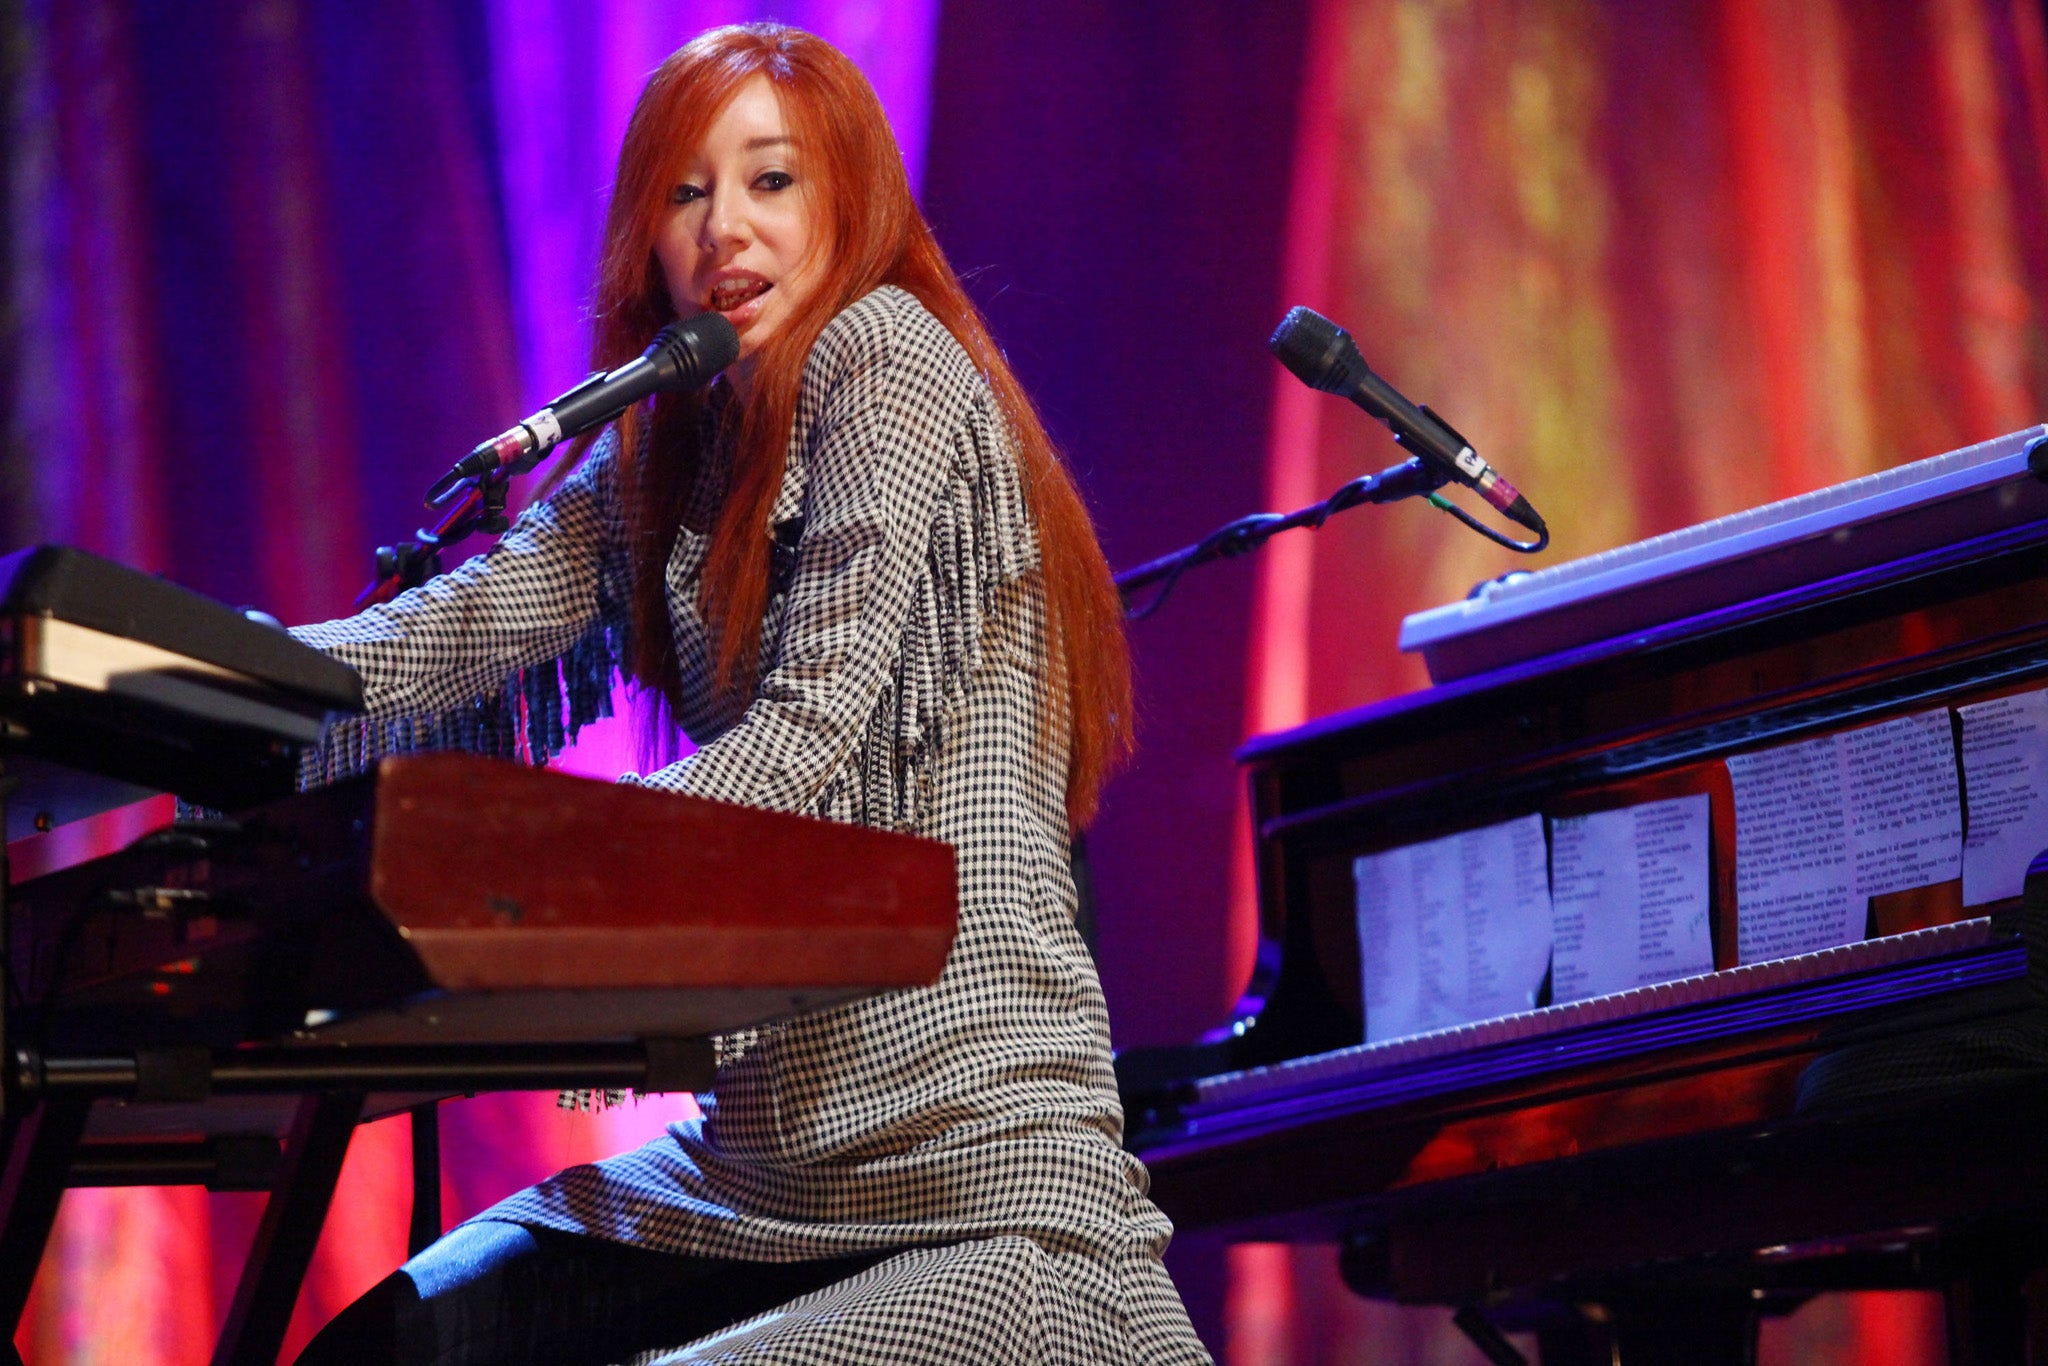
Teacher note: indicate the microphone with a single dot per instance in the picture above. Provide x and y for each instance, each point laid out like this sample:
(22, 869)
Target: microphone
(683, 356)
(1323, 356)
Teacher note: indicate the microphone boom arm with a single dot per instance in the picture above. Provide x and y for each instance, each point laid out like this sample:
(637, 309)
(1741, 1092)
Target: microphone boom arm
(1412, 478)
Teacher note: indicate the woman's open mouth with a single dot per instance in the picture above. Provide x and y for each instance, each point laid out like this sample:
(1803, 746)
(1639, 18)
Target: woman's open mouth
(730, 296)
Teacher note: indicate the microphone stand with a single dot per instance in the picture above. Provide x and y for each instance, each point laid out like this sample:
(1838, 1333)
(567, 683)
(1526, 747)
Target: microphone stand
(1412, 478)
(481, 507)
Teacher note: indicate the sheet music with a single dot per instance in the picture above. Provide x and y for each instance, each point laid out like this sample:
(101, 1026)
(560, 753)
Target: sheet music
(1629, 897)
(1400, 909)
(1507, 917)
(1795, 877)
(1453, 930)
(2005, 775)
(1823, 825)
(1905, 811)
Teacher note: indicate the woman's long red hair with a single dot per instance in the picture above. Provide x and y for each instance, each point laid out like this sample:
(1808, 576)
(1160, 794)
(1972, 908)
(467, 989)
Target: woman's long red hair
(868, 232)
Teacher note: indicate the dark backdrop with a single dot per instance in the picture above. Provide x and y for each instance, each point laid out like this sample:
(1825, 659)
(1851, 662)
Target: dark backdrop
(1112, 175)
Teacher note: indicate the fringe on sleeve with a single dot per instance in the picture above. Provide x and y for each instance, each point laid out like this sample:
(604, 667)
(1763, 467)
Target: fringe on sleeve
(531, 718)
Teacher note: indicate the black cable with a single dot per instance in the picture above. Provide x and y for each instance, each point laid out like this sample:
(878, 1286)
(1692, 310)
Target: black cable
(1525, 547)
(1235, 538)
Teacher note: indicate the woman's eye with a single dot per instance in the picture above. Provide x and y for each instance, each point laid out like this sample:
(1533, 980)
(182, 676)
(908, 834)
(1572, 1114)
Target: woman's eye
(775, 180)
(685, 194)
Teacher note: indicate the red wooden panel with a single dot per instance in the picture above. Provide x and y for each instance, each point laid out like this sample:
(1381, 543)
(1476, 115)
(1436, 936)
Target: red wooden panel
(501, 876)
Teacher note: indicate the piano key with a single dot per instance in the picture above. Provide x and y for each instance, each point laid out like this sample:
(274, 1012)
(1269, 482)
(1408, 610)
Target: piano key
(1240, 1087)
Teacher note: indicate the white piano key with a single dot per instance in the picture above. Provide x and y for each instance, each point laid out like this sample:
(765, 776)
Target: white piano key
(1343, 1065)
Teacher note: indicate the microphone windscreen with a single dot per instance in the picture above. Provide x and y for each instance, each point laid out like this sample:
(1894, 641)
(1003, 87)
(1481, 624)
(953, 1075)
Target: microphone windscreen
(1317, 350)
(695, 349)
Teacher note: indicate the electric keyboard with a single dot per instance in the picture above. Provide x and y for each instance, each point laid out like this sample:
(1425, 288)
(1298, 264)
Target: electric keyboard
(1794, 543)
(115, 684)
(223, 1001)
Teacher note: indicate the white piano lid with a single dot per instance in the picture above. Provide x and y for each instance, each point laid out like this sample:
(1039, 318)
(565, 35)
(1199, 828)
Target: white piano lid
(1460, 628)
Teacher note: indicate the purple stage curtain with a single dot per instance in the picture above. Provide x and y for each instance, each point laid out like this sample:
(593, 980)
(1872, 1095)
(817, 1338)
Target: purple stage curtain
(1112, 177)
(273, 265)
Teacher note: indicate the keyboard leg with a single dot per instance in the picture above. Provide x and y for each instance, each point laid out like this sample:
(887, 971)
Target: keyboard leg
(426, 1178)
(39, 1147)
(1491, 1342)
(284, 1244)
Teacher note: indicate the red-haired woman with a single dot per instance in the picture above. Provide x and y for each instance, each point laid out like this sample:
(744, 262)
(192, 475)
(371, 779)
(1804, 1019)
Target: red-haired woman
(859, 576)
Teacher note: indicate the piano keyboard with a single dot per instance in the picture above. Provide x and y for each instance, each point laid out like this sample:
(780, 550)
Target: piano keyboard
(1655, 1015)
(1455, 638)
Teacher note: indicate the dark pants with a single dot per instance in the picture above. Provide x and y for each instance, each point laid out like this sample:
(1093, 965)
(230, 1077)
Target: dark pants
(507, 1293)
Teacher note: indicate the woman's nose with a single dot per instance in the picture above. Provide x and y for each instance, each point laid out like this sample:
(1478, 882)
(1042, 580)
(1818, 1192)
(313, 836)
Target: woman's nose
(726, 223)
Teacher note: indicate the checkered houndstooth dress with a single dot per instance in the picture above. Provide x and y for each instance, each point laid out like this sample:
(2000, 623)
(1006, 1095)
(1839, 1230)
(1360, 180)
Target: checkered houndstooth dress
(974, 1122)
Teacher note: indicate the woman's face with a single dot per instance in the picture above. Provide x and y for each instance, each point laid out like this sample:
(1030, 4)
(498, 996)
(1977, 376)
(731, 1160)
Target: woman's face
(738, 235)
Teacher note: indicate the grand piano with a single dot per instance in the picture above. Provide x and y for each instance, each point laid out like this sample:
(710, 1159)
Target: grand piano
(221, 1002)
(1638, 1174)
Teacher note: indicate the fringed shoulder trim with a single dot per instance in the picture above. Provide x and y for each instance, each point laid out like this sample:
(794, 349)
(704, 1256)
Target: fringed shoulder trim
(982, 541)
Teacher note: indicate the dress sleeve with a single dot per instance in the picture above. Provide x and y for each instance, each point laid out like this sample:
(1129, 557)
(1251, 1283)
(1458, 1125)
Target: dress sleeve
(551, 588)
(878, 462)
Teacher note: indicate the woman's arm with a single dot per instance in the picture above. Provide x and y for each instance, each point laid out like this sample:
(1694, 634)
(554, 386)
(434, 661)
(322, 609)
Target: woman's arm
(524, 601)
(894, 387)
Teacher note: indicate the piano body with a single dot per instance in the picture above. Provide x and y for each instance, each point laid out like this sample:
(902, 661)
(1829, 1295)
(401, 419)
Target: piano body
(1636, 1176)
(224, 1000)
